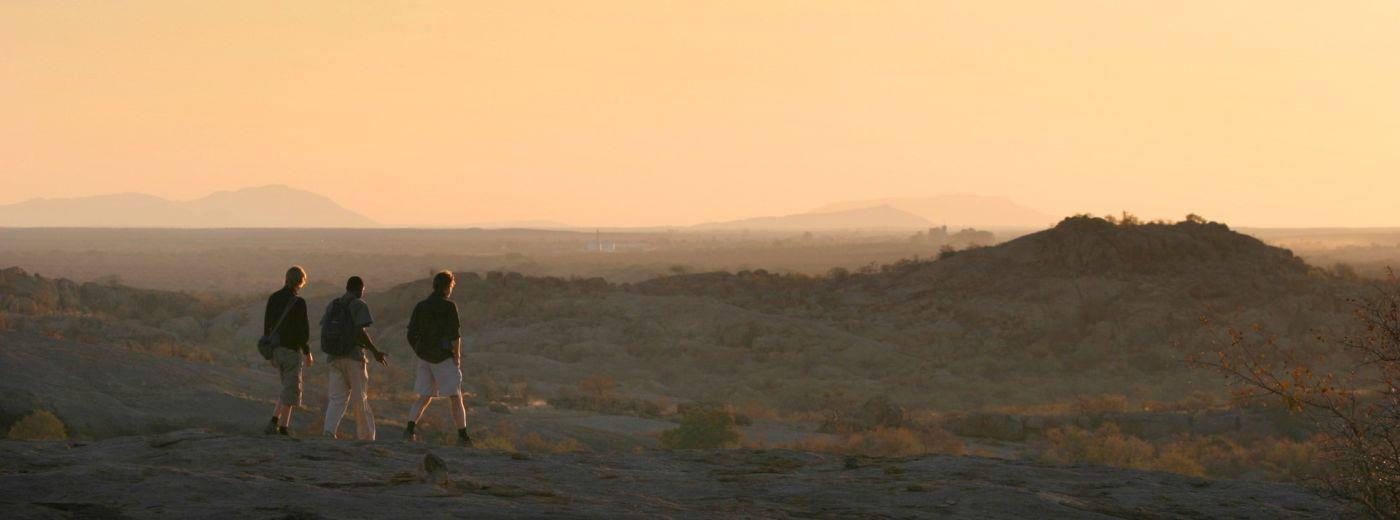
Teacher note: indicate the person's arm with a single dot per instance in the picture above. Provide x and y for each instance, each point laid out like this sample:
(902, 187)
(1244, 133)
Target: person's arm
(268, 316)
(369, 344)
(267, 327)
(303, 330)
(415, 331)
(454, 325)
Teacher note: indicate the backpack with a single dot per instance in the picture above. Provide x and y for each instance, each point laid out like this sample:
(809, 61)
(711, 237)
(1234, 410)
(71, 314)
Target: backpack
(338, 336)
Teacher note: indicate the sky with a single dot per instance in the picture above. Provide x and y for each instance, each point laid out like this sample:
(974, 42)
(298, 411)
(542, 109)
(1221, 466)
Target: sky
(652, 112)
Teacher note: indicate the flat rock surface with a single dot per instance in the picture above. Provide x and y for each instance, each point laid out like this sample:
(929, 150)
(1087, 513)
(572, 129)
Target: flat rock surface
(197, 474)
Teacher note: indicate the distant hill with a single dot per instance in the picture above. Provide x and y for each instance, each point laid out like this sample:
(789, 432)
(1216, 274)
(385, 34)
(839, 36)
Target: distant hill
(875, 216)
(977, 211)
(266, 206)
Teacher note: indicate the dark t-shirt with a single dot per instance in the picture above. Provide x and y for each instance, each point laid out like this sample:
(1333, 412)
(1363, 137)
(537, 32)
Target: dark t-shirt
(295, 331)
(434, 323)
(359, 311)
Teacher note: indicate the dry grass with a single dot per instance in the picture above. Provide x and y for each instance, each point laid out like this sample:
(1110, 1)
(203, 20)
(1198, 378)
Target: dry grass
(1213, 455)
(883, 442)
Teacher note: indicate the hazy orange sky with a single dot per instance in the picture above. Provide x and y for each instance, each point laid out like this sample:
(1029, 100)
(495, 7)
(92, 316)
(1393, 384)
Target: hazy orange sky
(1263, 112)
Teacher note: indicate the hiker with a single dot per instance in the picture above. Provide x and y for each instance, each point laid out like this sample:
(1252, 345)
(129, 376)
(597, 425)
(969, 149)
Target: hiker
(434, 332)
(284, 345)
(344, 339)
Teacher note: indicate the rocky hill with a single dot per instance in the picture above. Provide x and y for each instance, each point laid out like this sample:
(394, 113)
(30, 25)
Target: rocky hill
(197, 474)
(873, 217)
(1094, 305)
(264, 206)
(958, 210)
(1086, 307)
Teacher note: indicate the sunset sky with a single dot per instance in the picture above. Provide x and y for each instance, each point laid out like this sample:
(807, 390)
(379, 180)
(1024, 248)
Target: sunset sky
(1268, 112)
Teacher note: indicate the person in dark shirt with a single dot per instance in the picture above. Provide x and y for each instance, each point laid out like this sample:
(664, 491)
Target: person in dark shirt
(434, 331)
(284, 321)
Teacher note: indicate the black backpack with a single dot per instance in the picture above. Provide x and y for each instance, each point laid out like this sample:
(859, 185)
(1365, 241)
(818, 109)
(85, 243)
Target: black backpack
(338, 337)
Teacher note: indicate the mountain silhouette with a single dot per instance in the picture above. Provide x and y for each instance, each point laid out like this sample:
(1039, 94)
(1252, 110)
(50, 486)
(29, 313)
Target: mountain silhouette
(260, 207)
(979, 211)
(871, 217)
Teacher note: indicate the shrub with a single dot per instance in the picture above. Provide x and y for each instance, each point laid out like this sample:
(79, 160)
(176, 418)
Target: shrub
(1197, 400)
(598, 386)
(884, 442)
(39, 426)
(1355, 413)
(1212, 455)
(535, 442)
(1291, 460)
(1097, 404)
(502, 437)
(1104, 446)
(703, 428)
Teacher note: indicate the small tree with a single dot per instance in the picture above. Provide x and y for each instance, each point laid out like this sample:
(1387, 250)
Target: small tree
(41, 425)
(598, 386)
(1356, 413)
(703, 428)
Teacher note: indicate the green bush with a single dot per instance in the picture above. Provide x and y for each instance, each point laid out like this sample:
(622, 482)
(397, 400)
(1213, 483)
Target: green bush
(39, 426)
(703, 428)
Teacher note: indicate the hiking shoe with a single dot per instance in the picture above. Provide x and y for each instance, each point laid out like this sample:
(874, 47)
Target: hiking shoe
(465, 442)
(271, 427)
(409, 436)
(330, 435)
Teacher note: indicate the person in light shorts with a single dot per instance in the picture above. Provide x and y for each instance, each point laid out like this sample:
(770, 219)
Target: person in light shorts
(441, 379)
(434, 332)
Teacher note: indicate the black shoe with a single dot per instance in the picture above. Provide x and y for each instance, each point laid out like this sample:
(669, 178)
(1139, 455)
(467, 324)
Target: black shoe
(271, 428)
(465, 442)
(409, 436)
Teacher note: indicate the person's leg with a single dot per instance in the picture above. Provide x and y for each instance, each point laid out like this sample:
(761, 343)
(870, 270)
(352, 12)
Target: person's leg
(415, 414)
(337, 395)
(289, 366)
(359, 393)
(271, 427)
(459, 411)
(449, 377)
(425, 387)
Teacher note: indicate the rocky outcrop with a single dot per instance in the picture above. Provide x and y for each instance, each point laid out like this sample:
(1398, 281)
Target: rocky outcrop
(197, 474)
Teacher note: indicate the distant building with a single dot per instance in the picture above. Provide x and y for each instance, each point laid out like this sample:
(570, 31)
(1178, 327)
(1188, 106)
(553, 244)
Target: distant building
(939, 237)
(598, 245)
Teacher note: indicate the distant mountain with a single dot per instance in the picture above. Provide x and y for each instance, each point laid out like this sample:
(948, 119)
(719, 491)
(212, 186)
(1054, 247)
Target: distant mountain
(977, 211)
(519, 224)
(266, 206)
(870, 217)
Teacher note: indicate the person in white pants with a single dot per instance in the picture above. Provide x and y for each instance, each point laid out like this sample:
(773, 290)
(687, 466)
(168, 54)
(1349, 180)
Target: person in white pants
(349, 372)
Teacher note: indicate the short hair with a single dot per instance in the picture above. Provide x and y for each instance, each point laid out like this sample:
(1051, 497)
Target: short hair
(296, 276)
(443, 280)
(354, 284)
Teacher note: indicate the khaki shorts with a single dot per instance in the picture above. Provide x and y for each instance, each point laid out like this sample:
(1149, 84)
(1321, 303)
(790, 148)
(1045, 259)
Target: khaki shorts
(289, 370)
(441, 379)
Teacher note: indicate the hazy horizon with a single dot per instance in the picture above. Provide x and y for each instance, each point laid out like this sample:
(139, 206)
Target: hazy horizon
(1262, 114)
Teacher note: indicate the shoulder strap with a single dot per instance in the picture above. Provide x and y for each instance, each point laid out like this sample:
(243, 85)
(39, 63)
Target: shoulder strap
(291, 302)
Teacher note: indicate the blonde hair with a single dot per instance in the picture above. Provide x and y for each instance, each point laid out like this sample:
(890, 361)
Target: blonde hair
(296, 277)
(443, 280)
